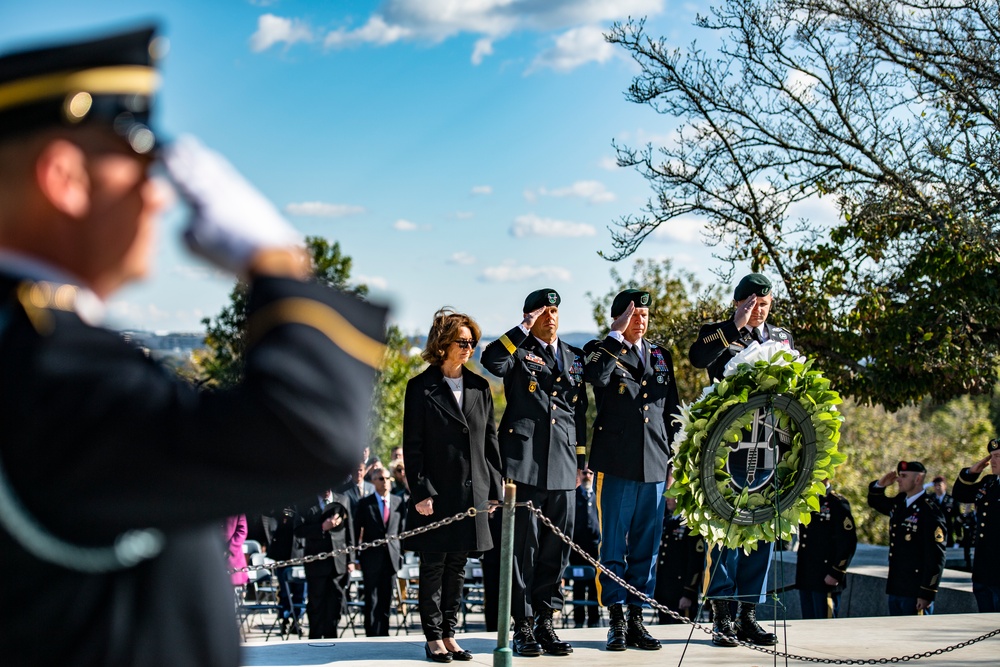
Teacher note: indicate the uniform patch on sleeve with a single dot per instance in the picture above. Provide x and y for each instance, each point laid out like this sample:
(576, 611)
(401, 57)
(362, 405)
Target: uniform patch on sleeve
(847, 524)
(938, 534)
(507, 344)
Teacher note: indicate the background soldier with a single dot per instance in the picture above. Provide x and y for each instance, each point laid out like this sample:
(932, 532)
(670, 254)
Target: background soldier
(131, 567)
(826, 547)
(735, 573)
(680, 566)
(636, 395)
(985, 493)
(916, 539)
(586, 535)
(543, 435)
(950, 509)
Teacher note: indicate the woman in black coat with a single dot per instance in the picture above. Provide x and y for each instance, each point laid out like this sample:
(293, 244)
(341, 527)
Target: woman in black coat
(453, 463)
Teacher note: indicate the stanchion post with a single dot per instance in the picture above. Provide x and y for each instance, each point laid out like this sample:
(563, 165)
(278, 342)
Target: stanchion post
(502, 654)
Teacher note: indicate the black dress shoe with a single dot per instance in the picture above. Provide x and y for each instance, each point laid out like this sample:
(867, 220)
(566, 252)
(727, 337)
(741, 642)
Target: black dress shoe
(616, 629)
(461, 656)
(524, 643)
(545, 635)
(436, 657)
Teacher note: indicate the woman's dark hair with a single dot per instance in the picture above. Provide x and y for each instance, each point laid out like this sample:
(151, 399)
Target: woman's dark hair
(445, 331)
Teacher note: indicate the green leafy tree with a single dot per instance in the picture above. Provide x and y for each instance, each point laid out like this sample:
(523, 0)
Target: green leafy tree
(222, 366)
(401, 363)
(886, 109)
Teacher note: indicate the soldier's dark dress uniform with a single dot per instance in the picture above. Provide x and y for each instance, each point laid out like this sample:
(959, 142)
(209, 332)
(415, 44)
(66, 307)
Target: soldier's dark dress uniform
(826, 547)
(680, 567)
(114, 473)
(952, 517)
(916, 544)
(984, 491)
(543, 435)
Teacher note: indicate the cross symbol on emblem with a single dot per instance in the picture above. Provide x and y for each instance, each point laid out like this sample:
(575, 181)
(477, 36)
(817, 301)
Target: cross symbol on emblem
(753, 459)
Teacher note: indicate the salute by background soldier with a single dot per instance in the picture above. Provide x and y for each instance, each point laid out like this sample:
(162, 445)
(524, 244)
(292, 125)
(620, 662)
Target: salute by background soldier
(916, 539)
(733, 572)
(636, 395)
(543, 435)
(826, 546)
(985, 493)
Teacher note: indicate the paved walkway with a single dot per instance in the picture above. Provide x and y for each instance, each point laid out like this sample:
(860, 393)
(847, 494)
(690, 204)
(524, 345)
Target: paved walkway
(847, 638)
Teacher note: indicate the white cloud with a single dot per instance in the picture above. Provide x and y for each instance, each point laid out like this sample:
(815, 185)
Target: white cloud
(404, 225)
(532, 225)
(273, 29)
(434, 21)
(573, 48)
(593, 191)
(482, 189)
(465, 215)
(375, 282)
(320, 209)
(483, 48)
(679, 230)
(510, 271)
(462, 258)
(608, 163)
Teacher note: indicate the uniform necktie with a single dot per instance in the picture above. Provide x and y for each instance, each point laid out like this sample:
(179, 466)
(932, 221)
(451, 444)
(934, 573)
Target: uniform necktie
(637, 348)
(550, 351)
(755, 332)
(385, 511)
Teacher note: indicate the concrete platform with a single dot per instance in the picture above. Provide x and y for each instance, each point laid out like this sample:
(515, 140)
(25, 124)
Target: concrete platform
(845, 638)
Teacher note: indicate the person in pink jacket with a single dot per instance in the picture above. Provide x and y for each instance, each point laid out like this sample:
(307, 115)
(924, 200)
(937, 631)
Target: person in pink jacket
(234, 530)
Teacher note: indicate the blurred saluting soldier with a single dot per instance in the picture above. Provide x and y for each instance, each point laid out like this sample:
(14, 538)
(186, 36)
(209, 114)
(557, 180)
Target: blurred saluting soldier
(985, 493)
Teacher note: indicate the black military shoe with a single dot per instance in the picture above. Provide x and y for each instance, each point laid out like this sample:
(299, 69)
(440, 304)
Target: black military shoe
(617, 631)
(635, 632)
(723, 631)
(748, 630)
(545, 635)
(524, 643)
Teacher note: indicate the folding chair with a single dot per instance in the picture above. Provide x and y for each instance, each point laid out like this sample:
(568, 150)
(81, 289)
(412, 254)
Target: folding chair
(407, 590)
(354, 602)
(570, 576)
(473, 591)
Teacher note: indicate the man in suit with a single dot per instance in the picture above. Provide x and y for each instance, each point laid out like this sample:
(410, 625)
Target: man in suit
(132, 568)
(379, 515)
(916, 539)
(543, 435)
(826, 547)
(736, 574)
(985, 493)
(327, 525)
(636, 396)
(356, 487)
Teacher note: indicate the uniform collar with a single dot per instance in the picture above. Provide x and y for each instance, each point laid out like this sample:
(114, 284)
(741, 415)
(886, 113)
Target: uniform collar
(90, 307)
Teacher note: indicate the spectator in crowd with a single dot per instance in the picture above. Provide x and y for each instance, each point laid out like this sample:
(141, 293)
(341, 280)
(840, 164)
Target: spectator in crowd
(916, 539)
(234, 531)
(736, 573)
(379, 515)
(543, 437)
(131, 567)
(451, 452)
(680, 566)
(286, 546)
(586, 534)
(985, 493)
(327, 525)
(400, 487)
(374, 463)
(826, 547)
(969, 522)
(357, 487)
(950, 509)
(396, 456)
(636, 397)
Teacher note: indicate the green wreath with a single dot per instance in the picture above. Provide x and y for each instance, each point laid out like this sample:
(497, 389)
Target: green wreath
(787, 384)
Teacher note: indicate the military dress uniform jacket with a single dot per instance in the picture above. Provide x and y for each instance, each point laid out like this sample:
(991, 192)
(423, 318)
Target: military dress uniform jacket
(719, 342)
(916, 543)
(633, 429)
(543, 432)
(952, 517)
(90, 418)
(451, 456)
(985, 493)
(318, 541)
(680, 562)
(826, 545)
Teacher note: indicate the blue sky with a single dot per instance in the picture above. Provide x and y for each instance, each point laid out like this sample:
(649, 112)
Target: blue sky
(459, 151)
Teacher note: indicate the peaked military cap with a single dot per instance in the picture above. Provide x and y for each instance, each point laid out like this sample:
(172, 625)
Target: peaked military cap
(109, 81)
(753, 283)
(993, 445)
(541, 298)
(639, 297)
(910, 466)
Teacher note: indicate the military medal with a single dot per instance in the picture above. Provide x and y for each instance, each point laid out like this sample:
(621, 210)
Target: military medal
(621, 388)
(532, 386)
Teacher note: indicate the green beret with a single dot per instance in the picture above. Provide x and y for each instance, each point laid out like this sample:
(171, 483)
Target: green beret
(541, 298)
(109, 81)
(993, 445)
(637, 296)
(754, 283)
(910, 466)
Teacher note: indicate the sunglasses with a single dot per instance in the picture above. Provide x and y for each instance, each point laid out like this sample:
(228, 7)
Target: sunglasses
(378, 479)
(465, 343)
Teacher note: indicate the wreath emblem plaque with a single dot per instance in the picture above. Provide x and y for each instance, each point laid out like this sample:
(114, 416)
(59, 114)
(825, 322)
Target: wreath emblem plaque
(755, 447)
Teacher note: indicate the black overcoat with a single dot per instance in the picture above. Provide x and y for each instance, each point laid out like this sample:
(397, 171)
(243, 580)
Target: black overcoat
(452, 456)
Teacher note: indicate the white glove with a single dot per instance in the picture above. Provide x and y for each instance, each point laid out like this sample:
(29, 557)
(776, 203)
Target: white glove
(230, 219)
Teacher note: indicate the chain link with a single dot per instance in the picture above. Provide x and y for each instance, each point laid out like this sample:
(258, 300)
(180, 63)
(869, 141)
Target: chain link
(708, 630)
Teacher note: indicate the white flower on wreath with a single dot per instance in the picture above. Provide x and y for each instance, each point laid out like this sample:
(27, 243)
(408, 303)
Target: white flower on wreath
(766, 351)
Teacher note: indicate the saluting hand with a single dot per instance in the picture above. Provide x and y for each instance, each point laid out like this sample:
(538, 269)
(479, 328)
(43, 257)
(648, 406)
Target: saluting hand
(742, 315)
(887, 479)
(529, 318)
(621, 322)
(979, 466)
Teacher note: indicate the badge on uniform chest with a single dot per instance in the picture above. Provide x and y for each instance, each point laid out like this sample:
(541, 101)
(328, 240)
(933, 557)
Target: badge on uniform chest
(621, 388)
(532, 386)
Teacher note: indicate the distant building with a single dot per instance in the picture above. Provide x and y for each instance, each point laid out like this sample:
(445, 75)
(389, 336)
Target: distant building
(171, 348)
